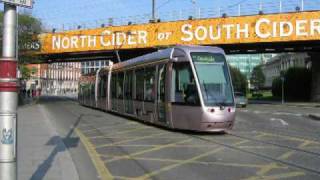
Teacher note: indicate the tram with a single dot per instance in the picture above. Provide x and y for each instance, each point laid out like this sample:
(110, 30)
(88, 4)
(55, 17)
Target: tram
(183, 87)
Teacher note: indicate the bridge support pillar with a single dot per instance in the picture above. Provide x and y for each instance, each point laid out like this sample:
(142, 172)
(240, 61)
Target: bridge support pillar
(315, 88)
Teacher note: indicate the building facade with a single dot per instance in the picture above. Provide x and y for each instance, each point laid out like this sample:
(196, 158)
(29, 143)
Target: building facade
(246, 62)
(37, 72)
(90, 67)
(283, 62)
(62, 78)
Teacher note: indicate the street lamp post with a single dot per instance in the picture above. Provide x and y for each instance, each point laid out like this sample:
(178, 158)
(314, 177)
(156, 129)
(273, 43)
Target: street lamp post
(8, 96)
(9, 90)
(153, 10)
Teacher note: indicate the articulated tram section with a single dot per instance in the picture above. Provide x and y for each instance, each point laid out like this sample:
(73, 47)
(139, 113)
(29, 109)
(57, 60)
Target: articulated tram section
(271, 33)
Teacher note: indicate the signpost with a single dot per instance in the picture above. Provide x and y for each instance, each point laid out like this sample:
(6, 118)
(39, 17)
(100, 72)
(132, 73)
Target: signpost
(23, 3)
(9, 90)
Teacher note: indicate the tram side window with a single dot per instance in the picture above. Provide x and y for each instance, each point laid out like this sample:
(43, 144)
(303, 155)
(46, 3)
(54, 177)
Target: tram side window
(100, 84)
(184, 89)
(114, 85)
(139, 84)
(93, 90)
(149, 80)
(103, 86)
(128, 85)
(120, 85)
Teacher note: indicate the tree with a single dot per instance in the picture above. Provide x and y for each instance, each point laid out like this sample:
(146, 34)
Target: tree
(239, 80)
(29, 28)
(257, 77)
(25, 72)
(297, 84)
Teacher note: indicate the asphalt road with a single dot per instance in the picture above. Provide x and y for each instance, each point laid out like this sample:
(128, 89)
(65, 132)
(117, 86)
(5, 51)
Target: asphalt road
(267, 142)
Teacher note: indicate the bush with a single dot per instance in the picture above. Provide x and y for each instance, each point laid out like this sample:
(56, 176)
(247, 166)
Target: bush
(239, 80)
(297, 84)
(276, 87)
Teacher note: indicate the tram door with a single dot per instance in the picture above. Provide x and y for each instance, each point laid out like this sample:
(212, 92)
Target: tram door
(128, 102)
(161, 93)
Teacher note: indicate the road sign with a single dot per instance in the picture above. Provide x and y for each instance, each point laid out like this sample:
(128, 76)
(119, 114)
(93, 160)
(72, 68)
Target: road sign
(24, 3)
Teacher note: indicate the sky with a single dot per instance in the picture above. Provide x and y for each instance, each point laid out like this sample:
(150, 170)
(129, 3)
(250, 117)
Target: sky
(70, 13)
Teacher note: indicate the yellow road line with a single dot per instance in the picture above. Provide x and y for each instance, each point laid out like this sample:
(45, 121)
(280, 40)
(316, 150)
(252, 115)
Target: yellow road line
(278, 176)
(286, 155)
(267, 168)
(201, 162)
(98, 163)
(106, 127)
(292, 138)
(134, 139)
(129, 156)
(285, 175)
(257, 147)
(178, 145)
(149, 175)
(305, 143)
(122, 132)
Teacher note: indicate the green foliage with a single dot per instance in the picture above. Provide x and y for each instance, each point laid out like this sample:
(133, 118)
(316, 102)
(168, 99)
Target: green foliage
(239, 80)
(276, 87)
(33, 70)
(25, 72)
(297, 84)
(28, 30)
(257, 77)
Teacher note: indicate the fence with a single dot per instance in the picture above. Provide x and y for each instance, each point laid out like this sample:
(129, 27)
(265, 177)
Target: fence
(240, 9)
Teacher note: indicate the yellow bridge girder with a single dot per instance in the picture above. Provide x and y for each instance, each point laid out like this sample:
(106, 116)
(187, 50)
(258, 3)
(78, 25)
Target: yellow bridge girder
(289, 27)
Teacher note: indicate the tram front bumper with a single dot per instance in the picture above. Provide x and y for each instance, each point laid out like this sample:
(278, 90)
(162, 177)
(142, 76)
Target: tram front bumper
(218, 120)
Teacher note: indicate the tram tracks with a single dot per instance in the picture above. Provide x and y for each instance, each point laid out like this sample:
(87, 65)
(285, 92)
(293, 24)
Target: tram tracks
(276, 144)
(264, 156)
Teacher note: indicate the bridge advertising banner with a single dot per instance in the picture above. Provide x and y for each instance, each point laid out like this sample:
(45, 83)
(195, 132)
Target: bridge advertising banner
(300, 26)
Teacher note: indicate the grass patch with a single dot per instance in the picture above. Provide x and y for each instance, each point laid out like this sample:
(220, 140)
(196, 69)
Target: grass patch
(262, 95)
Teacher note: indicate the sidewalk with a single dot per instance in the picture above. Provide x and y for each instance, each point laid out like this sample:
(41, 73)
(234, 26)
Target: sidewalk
(41, 152)
(297, 104)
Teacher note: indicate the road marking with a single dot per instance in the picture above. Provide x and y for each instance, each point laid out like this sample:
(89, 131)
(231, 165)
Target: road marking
(129, 156)
(267, 168)
(291, 138)
(305, 143)
(201, 162)
(286, 155)
(151, 174)
(187, 161)
(122, 132)
(283, 122)
(242, 110)
(257, 112)
(278, 176)
(288, 114)
(134, 139)
(106, 127)
(257, 147)
(98, 163)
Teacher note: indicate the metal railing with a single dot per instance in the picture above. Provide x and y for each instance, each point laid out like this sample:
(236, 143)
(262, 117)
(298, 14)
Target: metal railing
(241, 9)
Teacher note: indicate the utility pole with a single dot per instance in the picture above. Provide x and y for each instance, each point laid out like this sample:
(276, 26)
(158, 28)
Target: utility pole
(8, 96)
(9, 90)
(154, 10)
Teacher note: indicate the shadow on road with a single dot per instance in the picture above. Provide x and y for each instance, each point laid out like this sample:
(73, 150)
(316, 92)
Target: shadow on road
(61, 144)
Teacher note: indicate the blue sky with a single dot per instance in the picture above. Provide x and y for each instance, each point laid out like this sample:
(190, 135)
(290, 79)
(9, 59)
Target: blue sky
(55, 13)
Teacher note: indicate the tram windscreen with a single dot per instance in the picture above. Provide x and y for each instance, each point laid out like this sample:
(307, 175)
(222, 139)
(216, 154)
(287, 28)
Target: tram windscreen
(213, 76)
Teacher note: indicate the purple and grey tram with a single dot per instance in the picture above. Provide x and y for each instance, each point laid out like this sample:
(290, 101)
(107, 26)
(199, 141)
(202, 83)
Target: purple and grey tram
(184, 87)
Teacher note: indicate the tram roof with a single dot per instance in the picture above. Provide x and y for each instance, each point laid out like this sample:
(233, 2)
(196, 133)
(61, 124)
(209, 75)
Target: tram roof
(165, 54)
